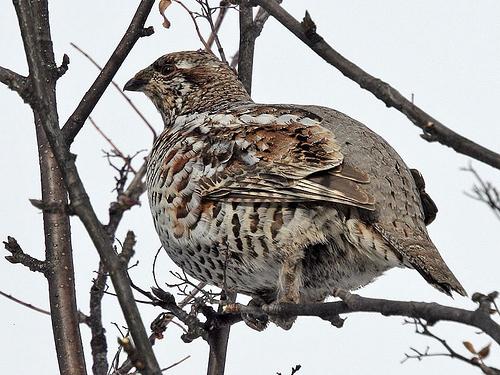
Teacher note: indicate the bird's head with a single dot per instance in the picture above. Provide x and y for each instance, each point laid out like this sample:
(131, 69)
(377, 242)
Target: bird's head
(188, 82)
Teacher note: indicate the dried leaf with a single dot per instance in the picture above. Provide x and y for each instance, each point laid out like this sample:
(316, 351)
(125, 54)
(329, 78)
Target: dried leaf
(469, 347)
(484, 352)
(164, 4)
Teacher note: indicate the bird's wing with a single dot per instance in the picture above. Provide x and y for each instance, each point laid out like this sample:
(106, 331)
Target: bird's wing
(290, 162)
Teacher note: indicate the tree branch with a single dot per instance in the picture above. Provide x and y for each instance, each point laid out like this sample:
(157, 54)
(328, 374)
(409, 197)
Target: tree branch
(247, 45)
(218, 339)
(433, 130)
(258, 24)
(431, 312)
(98, 344)
(25, 304)
(135, 31)
(33, 19)
(19, 256)
(119, 90)
(422, 328)
(126, 200)
(216, 26)
(43, 74)
(16, 82)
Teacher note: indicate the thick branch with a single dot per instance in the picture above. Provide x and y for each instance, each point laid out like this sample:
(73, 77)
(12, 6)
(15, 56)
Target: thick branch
(35, 30)
(247, 45)
(39, 53)
(258, 25)
(218, 340)
(433, 130)
(135, 31)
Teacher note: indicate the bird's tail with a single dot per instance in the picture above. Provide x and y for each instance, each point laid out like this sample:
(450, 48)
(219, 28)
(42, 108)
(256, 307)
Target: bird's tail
(420, 253)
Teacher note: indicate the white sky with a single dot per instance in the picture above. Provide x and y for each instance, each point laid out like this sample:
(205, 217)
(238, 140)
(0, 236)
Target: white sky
(446, 53)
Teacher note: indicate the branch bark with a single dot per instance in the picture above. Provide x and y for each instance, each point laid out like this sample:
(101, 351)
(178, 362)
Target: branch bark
(98, 343)
(247, 45)
(135, 31)
(218, 340)
(433, 130)
(351, 303)
(16, 82)
(58, 249)
(35, 30)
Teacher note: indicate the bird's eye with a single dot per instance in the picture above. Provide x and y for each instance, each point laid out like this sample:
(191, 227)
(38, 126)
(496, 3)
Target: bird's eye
(164, 68)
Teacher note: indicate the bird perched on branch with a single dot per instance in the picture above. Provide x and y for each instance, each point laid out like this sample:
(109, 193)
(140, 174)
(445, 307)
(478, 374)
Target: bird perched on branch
(283, 203)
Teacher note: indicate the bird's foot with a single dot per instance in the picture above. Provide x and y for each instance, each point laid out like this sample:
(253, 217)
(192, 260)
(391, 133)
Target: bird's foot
(276, 316)
(258, 322)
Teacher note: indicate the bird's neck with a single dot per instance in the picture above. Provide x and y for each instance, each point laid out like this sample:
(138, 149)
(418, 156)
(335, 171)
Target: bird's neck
(214, 96)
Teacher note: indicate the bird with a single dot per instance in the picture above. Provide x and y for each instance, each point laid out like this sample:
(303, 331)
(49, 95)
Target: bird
(283, 203)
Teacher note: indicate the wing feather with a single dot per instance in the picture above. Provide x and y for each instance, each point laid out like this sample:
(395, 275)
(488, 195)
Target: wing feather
(291, 163)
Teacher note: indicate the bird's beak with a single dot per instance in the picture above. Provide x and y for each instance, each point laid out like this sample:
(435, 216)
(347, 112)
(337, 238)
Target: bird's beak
(135, 84)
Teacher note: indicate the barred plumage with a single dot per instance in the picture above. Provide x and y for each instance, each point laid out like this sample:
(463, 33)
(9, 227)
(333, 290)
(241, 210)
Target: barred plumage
(280, 202)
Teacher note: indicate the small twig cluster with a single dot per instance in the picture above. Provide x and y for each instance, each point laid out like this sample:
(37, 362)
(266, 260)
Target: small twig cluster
(477, 359)
(484, 191)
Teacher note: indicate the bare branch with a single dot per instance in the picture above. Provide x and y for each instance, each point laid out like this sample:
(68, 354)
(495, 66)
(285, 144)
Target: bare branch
(218, 22)
(484, 192)
(126, 200)
(107, 139)
(247, 45)
(128, 247)
(176, 363)
(433, 130)
(218, 339)
(19, 256)
(98, 344)
(208, 15)
(422, 328)
(134, 32)
(25, 304)
(16, 82)
(431, 312)
(258, 24)
(33, 18)
(193, 18)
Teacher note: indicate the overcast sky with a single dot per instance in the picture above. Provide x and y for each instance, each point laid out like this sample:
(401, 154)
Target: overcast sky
(446, 53)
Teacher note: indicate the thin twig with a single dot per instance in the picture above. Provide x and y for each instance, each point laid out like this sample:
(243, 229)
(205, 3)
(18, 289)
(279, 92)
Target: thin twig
(193, 18)
(117, 87)
(218, 23)
(111, 143)
(214, 30)
(485, 192)
(176, 363)
(25, 304)
(422, 328)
